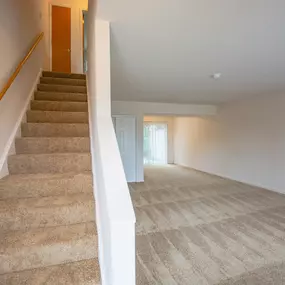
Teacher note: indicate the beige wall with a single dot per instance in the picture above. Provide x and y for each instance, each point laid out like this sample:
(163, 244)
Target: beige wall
(244, 142)
(169, 122)
(76, 31)
(20, 23)
(115, 218)
(141, 109)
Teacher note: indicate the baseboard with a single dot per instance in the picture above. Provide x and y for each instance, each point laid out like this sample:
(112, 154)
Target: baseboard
(16, 132)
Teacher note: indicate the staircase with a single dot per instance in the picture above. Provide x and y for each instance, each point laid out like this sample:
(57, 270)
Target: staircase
(47, 226)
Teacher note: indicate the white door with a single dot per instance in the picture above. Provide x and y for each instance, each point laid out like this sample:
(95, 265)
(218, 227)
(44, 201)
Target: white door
(125, 128)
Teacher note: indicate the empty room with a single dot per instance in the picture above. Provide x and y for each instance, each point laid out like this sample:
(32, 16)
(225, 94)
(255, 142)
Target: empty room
(142, 142)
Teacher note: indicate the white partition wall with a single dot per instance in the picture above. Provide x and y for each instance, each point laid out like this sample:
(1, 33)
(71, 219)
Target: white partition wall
(115, 216)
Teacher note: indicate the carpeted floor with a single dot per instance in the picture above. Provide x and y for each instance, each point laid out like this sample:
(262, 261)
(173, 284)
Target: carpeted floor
(194, 228)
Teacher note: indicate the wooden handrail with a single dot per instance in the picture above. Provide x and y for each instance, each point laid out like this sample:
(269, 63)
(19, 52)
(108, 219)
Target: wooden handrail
(20, 66)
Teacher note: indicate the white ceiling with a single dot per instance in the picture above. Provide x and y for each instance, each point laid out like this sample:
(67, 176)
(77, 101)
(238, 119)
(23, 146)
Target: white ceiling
(166, 50)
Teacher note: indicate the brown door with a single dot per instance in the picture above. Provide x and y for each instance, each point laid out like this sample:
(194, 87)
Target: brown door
(61, 39)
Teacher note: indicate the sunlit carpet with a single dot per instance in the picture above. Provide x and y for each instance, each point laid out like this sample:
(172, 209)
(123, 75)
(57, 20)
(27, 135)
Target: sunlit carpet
(194, 228)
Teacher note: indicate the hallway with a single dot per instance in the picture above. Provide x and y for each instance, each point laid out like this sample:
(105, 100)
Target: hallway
(194, 228)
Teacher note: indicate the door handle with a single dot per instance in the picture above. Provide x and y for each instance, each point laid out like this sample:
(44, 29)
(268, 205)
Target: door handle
(69, 50)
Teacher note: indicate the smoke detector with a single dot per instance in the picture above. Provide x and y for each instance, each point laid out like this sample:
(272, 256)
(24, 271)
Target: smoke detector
(216, 76)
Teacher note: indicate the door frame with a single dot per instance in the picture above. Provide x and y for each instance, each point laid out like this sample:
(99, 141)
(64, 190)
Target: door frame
(136, 139)
(55, 3)
(82, 24)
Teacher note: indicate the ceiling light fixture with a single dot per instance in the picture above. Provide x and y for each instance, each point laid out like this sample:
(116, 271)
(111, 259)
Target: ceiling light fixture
(216, 76)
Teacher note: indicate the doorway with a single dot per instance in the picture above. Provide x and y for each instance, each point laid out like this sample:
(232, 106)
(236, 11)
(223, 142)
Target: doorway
(155, 143)
(61, 39)
(125, 128)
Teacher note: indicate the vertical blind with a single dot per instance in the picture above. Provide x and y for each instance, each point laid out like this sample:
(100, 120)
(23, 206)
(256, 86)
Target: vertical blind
(155, 143)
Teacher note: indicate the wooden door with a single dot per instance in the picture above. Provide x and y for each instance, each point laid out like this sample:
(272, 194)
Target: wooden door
(61, 39)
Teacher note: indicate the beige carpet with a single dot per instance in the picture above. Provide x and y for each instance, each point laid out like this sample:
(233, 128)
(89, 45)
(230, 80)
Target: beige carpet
(47, 223)
(194, 228)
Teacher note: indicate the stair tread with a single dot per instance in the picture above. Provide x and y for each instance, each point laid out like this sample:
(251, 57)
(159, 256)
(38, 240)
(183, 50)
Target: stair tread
(59, 102)
(52, 138)
(45, 184)
(50, 201)
(60, 96)
(63, 81)
(35, 248)
(52, 124)
(29, 145)
(54, 112)
(45, 72)
(58, 93)
(50, 154)
(40, 116)
(62, 88)
(55, 129)
(61, 106)
(35, 212)
(18, 178)
(49, 162)
(61, 85)
(64, 74)
(43, 236)
(85, 272)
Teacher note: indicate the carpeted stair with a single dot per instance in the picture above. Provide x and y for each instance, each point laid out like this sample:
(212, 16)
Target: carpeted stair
(47, 212)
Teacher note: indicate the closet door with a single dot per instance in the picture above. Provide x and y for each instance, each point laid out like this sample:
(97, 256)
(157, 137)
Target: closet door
(125, 128)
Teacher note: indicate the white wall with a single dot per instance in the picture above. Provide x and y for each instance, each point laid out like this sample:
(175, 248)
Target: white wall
(169, 122)
(163, 109)
(140, 109)
(76, 31)
(20, 23)
(115, 216)
(245, 142)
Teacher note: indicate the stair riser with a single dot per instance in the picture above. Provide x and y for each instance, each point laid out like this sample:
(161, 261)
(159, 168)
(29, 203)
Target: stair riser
(62, 81)
(49, 96)
(63, 75)
(56, 117)
(55, 130)
(51, 163)
(31, 213)
(34, 256)
(59, 106)
(62, 88)
(52, 145)
(43, 187)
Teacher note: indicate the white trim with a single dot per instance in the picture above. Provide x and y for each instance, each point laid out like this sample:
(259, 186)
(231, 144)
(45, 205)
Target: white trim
(81, 35)
(9, 147)
(4, 169)
(54, 3)
(50, 36)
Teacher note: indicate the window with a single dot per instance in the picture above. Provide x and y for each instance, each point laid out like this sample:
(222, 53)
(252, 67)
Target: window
(155, 143)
